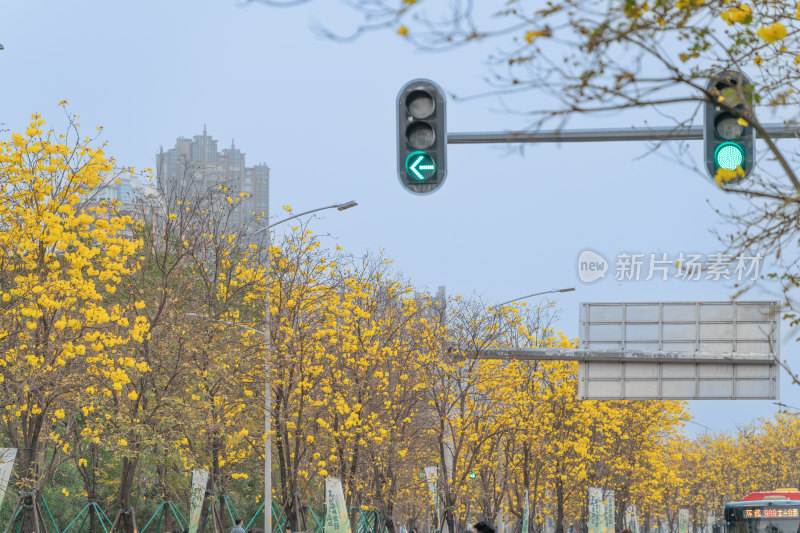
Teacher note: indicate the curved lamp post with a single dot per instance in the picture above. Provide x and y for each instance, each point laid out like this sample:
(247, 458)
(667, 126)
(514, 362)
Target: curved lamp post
(531, 296)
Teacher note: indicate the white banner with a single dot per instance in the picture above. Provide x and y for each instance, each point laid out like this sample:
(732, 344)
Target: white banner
(336, 517)
(7, 456)
(596, 511)
(525, 514)
(199, 484)
(610, 511)
(432, 475)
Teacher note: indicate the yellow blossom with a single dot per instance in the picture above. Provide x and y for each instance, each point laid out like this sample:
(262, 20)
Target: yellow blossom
(741, 13)
(772, 33)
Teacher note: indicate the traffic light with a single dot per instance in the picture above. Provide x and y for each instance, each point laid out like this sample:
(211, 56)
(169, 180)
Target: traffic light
(472, 475)
(729, 138)
(421, 136)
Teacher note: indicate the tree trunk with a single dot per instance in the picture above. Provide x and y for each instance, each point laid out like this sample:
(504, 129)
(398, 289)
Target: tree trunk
(94, 456)
(29, 468)
(206, 509)
(161, 470)
(29, 476)
(388, 515)
(295, 523)
(125, 490)
(559, 507)
(281, 448)
(449, 517)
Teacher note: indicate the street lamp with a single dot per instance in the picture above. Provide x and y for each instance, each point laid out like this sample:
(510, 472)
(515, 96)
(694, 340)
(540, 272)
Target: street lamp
(268, 368)
(338, 207)
(532, 295)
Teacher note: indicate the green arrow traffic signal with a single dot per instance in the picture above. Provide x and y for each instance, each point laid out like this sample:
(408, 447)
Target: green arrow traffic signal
(421, 136)
(420, 166)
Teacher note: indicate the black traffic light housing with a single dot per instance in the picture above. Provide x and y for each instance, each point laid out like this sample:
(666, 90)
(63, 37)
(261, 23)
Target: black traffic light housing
(728, 143)
(421, 136)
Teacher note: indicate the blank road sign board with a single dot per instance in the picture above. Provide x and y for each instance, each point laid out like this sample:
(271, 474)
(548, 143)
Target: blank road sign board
(678, 350)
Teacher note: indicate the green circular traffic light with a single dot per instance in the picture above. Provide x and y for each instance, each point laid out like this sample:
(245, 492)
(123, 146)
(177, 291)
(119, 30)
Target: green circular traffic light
(420, 166)
(729, 156)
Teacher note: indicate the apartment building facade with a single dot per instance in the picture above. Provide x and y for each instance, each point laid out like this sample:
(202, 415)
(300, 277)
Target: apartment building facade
(195, 166)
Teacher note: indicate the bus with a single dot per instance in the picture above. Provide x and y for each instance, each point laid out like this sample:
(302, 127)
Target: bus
(776, 511)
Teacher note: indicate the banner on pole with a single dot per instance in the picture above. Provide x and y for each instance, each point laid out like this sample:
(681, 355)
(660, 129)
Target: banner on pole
(683, 521)
(525, 514)
(432, 475)
(596, 511)
(610, 512)
(336, 518)
(199, 484)
(7, 456)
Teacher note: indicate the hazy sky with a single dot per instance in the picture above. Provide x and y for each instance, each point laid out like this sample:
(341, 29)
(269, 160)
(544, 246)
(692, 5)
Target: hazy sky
(322, 116)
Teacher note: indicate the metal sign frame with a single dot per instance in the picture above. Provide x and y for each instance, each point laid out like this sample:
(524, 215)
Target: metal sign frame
(703, 351)
(671, 350)
(706, 329)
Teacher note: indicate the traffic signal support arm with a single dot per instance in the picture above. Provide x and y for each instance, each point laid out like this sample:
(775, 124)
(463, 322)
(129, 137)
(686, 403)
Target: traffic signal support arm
(664, 133)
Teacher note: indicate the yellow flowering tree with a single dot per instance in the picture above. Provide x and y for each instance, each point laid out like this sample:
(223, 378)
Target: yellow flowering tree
(377, 336)
(149, 429)
(62, 262)
(221, 353)
(302, 289)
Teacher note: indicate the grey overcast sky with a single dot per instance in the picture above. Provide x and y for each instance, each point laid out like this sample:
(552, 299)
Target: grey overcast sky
(322, 116)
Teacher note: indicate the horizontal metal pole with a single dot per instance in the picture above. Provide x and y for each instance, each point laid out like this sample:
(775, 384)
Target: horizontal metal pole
(630, 356)
(662, 133)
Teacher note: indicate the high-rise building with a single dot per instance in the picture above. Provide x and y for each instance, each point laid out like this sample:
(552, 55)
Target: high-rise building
(195, 166)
